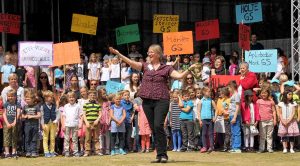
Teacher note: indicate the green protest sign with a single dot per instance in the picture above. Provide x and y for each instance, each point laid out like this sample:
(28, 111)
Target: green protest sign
(127, 34)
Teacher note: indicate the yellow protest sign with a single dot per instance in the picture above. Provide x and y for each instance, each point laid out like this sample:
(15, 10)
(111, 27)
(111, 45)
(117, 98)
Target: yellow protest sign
(84, 24)
(165, 23)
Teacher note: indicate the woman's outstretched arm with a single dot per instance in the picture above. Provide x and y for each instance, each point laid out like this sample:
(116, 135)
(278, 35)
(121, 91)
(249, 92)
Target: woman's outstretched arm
(133, 64)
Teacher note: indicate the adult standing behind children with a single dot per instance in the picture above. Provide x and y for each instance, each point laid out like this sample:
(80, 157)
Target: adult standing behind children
(155, 93)
(13, 84)
(248, 81)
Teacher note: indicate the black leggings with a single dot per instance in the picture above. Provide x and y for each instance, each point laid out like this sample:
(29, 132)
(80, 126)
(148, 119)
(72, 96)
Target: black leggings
(114, 139)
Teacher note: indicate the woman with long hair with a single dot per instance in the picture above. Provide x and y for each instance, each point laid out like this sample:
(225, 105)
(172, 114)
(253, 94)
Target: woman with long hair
(189, 81)
(133, 85)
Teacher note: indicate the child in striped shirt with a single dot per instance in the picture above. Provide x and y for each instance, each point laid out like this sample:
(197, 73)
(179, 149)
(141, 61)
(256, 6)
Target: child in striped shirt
(91, 116)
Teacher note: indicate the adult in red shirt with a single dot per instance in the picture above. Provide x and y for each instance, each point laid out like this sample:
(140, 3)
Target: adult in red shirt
(155, 94)
(248, 81)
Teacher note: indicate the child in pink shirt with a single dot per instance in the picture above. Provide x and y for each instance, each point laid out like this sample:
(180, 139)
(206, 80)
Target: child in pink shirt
(233, 68)
(144, 128)
(267, 121)
(104, 136)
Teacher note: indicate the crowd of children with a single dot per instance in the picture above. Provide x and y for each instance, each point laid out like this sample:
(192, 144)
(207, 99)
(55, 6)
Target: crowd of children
(96, 123)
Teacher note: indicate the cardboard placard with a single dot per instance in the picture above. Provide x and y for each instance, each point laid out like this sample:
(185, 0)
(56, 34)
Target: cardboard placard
(35, 53)
(248, 13)
(223, 80)
(127, 34)
(262, 60)
(84, 24)
(114, 87)
(176, 43)
(165, 23)
(10, 23)
(66, 53)
(244, 37)
(206, 30)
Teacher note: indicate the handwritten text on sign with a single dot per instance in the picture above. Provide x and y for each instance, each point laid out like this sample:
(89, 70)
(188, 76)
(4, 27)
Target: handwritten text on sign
(244, 37)
(206, 30)
(248, 13)
(165, 23)
(84, 24)
(35, 53)
(262, 60)
(114, 87)
(127, 34)
(176, 43)
(10, 23)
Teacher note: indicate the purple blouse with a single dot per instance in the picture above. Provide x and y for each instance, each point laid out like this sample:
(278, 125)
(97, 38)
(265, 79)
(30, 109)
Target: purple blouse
(155, 82)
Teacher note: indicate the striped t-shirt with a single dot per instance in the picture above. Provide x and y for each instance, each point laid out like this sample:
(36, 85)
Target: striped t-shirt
(91, 111)
(175, 113)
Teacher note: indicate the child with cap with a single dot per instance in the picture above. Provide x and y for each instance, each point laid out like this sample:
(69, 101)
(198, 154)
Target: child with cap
(250, 118)
(206, 70)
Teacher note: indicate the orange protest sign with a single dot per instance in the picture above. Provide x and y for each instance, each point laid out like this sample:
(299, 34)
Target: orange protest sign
(66, 53)
(176, 43)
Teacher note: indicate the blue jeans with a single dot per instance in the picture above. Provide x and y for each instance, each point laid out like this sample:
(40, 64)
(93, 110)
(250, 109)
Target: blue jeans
(236, 133)
(31, 137)
(176, 139)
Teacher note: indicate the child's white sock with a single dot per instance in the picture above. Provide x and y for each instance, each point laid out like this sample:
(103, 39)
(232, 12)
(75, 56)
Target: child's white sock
(251, 141)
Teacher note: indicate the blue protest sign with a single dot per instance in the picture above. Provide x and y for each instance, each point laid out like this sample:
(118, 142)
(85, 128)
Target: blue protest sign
(114, 87)
(262, 60)
(248, 13)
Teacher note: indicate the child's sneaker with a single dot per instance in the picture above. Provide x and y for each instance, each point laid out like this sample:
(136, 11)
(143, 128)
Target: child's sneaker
(86, 155)
(178, 150)
(67, 154)
(107, 153)
(53, 154)
(113, 152)
(100, 154)
(270, 150)
(174, 150)
(27, 154)
(34, 155)
(14, 155)
(77, 154)
(7, 156)
(292, 151)
(203, 150)
(47, 154)
(284, 151)
(147, 150)
(235, 151)
(122, 152)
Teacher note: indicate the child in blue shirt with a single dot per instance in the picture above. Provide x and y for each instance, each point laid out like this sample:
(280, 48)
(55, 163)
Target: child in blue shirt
(127, 105)
(7, 69)
(59, 78)
(186, 121)
(207, 118)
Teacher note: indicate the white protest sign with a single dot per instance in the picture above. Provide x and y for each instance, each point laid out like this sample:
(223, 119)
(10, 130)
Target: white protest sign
(35, 53)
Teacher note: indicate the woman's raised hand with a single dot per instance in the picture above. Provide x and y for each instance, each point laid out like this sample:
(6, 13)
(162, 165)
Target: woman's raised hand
(114, 51)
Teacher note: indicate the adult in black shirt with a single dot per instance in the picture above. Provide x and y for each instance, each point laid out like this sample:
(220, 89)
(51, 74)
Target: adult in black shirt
(254, 45)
